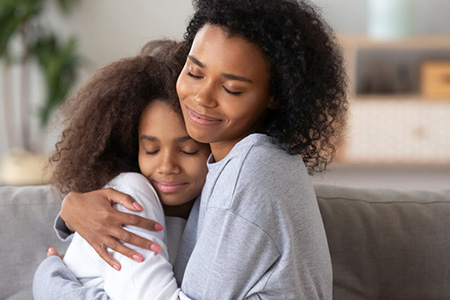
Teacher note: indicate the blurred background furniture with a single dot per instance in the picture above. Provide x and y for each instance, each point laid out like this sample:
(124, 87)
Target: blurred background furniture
(384, 244)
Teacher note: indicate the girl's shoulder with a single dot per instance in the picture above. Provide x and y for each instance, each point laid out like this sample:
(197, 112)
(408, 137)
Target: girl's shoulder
(139, 188)
(129, 180)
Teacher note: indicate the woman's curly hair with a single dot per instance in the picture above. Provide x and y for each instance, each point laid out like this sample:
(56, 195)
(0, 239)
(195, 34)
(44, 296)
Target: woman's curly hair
(308, 80)
(100, 139)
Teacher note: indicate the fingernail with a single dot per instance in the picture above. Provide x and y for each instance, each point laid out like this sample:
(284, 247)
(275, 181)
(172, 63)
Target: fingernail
(50, 251)
(138, 258)
(155, 248)
(159, 227)
(137, 206)
(116, 267)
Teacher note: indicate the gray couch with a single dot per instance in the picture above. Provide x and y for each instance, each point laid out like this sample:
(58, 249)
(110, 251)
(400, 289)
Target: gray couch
(384, 244)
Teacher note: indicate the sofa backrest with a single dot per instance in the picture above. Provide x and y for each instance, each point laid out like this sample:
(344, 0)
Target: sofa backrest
(26, 231)
(384, 244)
(387, 244)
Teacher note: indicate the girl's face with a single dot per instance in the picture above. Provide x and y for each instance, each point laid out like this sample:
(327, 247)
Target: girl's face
(223, 89)
(174, 163)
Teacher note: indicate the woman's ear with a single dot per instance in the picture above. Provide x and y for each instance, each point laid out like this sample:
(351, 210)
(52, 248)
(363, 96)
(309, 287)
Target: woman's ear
(273, 103)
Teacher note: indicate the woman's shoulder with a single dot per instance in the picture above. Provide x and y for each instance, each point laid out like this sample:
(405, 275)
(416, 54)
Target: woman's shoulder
(264, 156)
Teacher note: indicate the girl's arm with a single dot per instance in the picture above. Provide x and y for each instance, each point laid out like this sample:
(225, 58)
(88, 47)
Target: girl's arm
(151, 279)
(53, 280)
(92, 215)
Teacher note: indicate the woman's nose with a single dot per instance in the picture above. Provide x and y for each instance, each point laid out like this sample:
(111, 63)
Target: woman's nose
(205, 95)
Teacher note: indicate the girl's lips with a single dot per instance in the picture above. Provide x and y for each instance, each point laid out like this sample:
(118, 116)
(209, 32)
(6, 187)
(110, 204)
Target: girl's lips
(169, 186)
(201, 119)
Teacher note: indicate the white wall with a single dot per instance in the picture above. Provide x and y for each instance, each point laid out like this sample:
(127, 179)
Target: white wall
(108, 30)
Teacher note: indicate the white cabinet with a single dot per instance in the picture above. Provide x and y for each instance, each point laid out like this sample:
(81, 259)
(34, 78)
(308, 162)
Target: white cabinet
(397, 127)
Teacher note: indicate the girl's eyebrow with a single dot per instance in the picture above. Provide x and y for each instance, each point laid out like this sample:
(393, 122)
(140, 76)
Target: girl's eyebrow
(154, 139)
(148, 138)
(183, 138)
(226, 75)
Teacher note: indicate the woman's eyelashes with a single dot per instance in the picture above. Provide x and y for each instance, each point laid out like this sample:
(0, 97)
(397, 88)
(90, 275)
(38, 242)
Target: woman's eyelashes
(231, 92)
(223, 87)
(189, 73)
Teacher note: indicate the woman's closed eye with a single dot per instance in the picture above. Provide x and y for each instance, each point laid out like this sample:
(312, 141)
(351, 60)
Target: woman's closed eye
(231, 92)
(189, 73)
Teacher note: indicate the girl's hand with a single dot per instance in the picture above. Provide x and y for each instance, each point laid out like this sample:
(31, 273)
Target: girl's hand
(93, 217)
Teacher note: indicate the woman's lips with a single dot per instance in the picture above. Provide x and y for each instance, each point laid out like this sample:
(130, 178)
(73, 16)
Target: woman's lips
(169, 186)
(201, 119)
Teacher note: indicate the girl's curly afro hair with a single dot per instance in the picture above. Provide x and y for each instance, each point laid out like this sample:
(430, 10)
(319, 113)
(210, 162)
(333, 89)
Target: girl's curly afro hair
(307, 75)
(100, 139)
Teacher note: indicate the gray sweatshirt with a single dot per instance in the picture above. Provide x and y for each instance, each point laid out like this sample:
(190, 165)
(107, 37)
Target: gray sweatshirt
(257, 233)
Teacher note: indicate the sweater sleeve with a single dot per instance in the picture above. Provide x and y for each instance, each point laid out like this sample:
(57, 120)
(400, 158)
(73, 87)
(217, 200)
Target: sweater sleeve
(61, 230)
(151, 279)
(54, 281)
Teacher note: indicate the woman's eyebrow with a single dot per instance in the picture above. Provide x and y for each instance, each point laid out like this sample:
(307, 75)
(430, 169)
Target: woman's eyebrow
(225, 75)
(196, 61)
(235, 77)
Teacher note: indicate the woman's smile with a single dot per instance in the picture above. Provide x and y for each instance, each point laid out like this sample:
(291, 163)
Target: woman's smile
(202, 119)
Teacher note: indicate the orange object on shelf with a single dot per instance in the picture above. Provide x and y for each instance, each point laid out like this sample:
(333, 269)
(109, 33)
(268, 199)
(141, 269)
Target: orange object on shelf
(435, 79)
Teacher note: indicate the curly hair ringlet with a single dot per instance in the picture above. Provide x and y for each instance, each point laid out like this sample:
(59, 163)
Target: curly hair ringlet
(100, 139)
(308, 80)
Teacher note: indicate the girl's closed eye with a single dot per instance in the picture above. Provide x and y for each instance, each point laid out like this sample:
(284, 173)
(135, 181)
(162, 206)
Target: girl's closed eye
(189, 149)
(152, 152)
(189, 152)
(231, 92)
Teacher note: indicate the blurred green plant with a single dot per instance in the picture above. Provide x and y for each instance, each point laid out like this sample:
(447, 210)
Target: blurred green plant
(57, 59)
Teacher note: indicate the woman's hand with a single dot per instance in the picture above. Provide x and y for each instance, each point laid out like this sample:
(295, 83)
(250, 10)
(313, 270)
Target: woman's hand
(93, 217)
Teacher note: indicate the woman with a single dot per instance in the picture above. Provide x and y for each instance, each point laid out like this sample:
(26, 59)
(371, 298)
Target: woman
(263, 84)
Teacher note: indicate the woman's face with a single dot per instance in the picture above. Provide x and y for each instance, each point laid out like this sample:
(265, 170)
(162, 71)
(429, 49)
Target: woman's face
(223, 89)
(174, 163)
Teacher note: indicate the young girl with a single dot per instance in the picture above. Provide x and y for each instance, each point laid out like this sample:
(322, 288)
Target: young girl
(263, 84)
(129, 120)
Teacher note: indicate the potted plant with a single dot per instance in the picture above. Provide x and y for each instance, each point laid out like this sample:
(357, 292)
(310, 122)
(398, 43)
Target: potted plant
(27, 42)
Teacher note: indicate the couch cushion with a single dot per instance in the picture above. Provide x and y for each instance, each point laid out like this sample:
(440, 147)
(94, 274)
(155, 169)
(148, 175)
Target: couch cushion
(387, 244)
(29, 211)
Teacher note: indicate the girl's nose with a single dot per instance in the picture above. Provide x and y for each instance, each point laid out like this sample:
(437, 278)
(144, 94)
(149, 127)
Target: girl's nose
(205, 95)
(168, 164)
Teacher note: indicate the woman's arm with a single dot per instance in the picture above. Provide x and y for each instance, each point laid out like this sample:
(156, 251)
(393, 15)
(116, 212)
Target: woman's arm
(92, 215)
